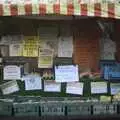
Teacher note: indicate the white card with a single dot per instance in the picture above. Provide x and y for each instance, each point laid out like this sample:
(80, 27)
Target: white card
(52, 86)
(12, 72)
(33, 82)
(98, 87)
(9, 87)
(66, 73)
(75, 88)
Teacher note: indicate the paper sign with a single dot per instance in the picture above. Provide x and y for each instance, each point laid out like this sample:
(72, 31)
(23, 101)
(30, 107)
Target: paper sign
(65, 47)
(98, 87)
(45, 59)
(105, 98)
(12, 72)
(114, 88)
(75, 88)
(9, 87)
(67, 73)
(33, 82)
(52, 86)
(15, 50)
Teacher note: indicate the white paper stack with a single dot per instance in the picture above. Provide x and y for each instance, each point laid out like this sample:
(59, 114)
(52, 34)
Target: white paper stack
(65, 46)
(11, 39)
(48, 37)
(108, 49)
(14, 42)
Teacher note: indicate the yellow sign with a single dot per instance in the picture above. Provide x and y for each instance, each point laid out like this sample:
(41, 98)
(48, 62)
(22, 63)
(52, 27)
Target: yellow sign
(30, 46)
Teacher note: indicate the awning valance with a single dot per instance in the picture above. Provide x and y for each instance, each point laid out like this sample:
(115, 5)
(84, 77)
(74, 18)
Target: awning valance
(60, 7)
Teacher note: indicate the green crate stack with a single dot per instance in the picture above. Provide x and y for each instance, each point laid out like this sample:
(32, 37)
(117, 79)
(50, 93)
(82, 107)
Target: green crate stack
(52, 108)
(104, 108)
(77, 108)
(26, 109)
(6, 108)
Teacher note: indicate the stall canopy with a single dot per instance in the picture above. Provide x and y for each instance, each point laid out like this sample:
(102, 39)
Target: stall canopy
(99, 8)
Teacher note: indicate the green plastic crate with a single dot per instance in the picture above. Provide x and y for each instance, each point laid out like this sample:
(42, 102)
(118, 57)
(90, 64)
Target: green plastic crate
(104, 109)
(6, 108)
(52, 108)
(26, 109)
(77, 108)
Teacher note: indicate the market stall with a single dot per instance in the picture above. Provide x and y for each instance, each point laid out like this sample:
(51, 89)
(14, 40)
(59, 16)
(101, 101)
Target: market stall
(60, 67)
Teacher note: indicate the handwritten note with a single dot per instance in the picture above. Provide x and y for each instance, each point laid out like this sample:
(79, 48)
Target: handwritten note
(33, 82)
(67, 73)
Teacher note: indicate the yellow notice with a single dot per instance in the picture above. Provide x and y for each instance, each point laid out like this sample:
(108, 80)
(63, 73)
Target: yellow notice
(30, 46)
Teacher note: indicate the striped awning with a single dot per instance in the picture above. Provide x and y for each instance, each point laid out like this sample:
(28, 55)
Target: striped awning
(60, 7)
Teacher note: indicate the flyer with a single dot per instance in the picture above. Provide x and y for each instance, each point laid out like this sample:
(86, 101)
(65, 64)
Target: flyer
(75, 88)
(98, 87)
(9, 87)
(66, 73)
(12, 72)
(52, 86)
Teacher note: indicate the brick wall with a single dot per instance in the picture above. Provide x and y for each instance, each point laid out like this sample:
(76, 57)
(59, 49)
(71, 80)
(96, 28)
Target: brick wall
(86, 44)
